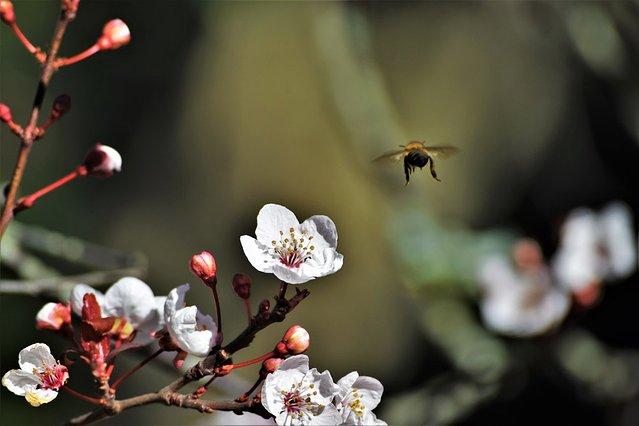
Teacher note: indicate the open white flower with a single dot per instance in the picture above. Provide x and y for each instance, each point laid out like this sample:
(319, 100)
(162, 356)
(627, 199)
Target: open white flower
(131, 299)
(296, 395)
(192, 331)
(40, 376)
(596, 247)
(358, 397)
(520, 303)
(294, 252)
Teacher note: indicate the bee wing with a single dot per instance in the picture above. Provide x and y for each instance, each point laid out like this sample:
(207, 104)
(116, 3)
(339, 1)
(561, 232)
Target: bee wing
(391, 156)
(441, 151)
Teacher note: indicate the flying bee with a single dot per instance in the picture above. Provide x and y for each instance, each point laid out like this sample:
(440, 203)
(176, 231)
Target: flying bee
(416, 154)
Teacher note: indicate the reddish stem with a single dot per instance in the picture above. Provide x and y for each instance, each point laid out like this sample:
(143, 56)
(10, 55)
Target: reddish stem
(28, 201)
(247, 305)
(83, 397)
(24, 40)
(128, 374)
(63, 62)
(254, 361)
(217, 309)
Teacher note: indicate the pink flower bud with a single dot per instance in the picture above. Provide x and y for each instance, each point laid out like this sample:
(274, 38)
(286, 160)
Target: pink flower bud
(6, 12)
(204, 267)
(115, 34)
(296, 340)
(5, 113)
(102, 161)
(271, 365)
(61, 105)
(53, 316)
(242, 285)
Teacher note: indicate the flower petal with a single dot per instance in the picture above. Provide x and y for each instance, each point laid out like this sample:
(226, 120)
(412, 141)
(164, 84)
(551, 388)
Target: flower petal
(291, 275)
(296, 362)
(175, 300)
(37, 397)
(35, 356)
(20, 381)
(328, 416)
(324, 226)
(272, 219)
(130, 298)
(257, 254)
(346, 382)
(77, 297)
(370, 389)
(183, 328)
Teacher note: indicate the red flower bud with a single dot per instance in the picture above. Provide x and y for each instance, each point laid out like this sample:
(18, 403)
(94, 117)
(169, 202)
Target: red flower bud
(115, 34)
(61, 105)
(102, 161)
(5, 113)
(242, 285)
(203, 265)
(6, 12)
(295, 341)
(271, 365)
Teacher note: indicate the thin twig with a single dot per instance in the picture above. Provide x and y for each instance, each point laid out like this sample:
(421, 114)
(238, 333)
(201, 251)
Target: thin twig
(29, 133)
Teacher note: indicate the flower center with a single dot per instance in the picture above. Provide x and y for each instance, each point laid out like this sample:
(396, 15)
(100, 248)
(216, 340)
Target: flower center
(290, 249)
(355, 404)
(298, 403)
(53, 377)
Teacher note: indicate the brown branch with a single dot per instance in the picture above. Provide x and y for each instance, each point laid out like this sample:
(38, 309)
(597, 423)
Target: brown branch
(30, 133)
(115, 407)
(169, 396)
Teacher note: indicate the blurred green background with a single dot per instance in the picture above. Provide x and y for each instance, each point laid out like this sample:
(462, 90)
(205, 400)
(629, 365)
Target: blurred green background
(220, 107)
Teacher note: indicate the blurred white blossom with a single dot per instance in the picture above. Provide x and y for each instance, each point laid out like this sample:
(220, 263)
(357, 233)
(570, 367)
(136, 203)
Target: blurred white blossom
(520, 303)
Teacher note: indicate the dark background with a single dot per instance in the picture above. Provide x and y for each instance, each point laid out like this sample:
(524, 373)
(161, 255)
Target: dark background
(218, 108)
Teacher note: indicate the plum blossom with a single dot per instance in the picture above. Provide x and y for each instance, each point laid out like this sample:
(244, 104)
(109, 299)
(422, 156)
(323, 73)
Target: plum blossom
(358, 397)
(296, 395)
(189, 329)
(131, 299)
(596, 247)
(520, 303)
(40, 376)
(294, 252)
(53, 316)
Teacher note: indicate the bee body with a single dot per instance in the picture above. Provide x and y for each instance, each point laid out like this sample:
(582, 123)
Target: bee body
(416, 154)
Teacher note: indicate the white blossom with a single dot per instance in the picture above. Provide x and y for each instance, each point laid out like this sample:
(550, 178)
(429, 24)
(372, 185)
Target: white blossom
(520, 303)
(595, 247)
(40, 376)
(296, 395)
(358, 397)
(191, 330)
(294, 252)
(131, 299)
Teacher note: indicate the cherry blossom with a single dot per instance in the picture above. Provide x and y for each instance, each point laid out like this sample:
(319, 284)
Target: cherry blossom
(294, 252)
(40, 376)
(520, 303)
(358, 397)
(53, 316)
(190, 330)
(296, 395)
(129, 298)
